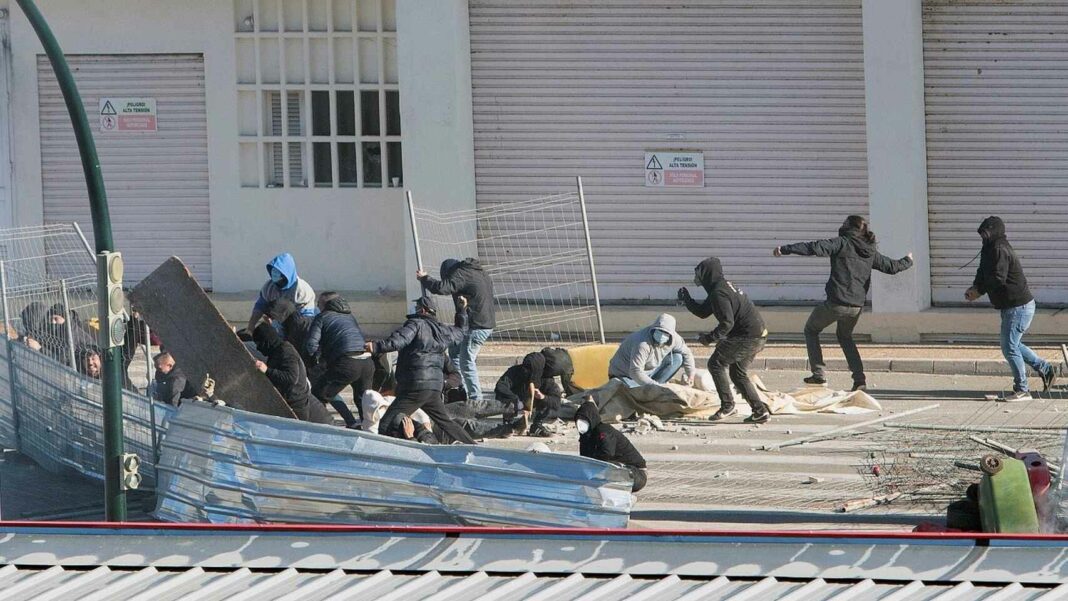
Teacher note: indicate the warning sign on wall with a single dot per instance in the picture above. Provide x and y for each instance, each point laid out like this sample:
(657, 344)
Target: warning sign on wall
(127, 114)
(674, 169)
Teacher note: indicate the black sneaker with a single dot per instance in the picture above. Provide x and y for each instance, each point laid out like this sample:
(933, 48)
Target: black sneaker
(816, 381)
(859, 386)
(1018, 397)
(758, 418)
(1049, 379)
(721, 414)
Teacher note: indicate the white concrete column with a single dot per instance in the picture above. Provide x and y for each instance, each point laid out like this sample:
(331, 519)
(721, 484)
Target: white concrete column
(897, 151)
(434, 62)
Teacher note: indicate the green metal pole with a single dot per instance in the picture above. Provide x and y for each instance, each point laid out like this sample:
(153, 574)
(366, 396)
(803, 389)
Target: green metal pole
(115, 495)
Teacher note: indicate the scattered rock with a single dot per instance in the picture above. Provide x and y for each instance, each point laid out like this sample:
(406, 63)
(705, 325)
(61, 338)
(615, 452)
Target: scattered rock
(789, 431)
(813, 480)
(674, 447)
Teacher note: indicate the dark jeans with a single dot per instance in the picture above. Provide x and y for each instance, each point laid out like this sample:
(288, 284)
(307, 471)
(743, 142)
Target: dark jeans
(733, 356)
(511, 394)
(345, 371)
(846, 318)
(408, 401)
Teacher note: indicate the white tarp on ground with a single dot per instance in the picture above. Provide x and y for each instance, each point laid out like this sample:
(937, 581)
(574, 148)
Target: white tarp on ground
(672, 401)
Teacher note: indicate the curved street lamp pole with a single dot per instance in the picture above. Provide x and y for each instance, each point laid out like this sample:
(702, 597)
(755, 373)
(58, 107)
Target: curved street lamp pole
(115, 495)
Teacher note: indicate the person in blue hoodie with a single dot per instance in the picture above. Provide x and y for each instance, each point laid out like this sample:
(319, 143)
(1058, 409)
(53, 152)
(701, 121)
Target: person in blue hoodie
(283, 282)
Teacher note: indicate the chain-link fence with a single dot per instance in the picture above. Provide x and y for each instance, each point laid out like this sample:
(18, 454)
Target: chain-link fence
(50, 367)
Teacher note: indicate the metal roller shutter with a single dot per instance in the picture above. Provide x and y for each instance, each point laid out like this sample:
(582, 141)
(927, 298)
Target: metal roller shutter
(157, 182)
(772, 92)
(996, 78)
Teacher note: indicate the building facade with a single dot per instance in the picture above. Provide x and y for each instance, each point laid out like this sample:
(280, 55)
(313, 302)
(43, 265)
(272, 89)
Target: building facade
(297, 124)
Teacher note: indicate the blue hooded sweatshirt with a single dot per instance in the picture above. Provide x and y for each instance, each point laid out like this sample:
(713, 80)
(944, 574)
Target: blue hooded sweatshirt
(293, 288)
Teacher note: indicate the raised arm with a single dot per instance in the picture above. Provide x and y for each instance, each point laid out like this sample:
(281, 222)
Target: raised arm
(816, 248)
(890, 266)
(400, 338)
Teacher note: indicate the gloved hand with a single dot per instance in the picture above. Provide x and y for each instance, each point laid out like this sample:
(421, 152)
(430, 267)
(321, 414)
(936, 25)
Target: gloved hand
(684, 294)
(706, 339)
(208, 387)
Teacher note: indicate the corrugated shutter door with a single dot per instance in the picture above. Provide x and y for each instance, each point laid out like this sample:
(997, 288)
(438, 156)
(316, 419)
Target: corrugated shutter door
(996, 78)
(157, 182)
(772, 92)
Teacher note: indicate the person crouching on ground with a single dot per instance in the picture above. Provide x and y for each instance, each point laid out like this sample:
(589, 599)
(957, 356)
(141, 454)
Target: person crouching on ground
(652, 355)
(420, 344)
(285, 370)
(853, 255)
(1000, 276)
(171, 384)
(739, 337)
(603, 442)
(528, 392)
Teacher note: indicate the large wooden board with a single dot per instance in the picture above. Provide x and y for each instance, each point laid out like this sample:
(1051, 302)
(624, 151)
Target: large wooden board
(200, 340)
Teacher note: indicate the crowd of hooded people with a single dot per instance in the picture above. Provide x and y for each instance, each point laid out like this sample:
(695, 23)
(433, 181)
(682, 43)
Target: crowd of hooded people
(311, 347)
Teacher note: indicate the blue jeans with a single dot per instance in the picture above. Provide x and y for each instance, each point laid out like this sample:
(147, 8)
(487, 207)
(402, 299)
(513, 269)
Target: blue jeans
(669, 366)
(1014, 324)
(464, 354)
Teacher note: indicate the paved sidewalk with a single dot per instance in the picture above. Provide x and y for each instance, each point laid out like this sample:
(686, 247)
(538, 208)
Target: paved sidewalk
(943, 359)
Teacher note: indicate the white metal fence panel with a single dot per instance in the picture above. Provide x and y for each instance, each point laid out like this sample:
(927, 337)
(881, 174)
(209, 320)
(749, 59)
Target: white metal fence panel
(772, 93)
(996, 79)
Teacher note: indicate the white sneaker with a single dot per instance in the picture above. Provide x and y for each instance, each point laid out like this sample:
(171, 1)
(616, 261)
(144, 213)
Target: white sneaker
(1018, 397)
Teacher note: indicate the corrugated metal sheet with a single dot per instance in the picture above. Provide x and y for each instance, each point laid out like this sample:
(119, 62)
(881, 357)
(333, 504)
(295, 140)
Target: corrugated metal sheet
(772, 92)
(157, 182)
(996, 79)
(222, 465)
(106, 584)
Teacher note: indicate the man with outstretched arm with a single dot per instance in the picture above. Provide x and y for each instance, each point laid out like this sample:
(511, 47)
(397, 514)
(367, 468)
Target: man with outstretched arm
(420, 345)
(739, 337)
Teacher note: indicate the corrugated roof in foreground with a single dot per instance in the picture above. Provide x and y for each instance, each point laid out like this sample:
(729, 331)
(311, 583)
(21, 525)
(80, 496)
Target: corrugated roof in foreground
(105, 584)
(158, 562)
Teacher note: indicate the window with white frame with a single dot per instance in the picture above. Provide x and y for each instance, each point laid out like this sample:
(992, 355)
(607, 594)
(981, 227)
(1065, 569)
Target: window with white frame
(318, 100)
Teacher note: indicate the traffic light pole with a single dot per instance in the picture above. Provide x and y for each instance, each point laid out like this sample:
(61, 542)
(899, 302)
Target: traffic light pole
(115, 495)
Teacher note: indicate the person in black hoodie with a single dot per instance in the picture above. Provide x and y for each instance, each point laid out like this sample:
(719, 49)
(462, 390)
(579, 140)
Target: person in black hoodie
(295, 329)
(854, 255)
(467, 279)
(1000, 276)
(603, 442)
(420, 345)
(529, 391)
(739, 337)
(285, 370)
(336, 336)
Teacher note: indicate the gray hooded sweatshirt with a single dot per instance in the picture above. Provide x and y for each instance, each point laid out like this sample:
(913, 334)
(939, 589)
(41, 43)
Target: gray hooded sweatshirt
(638, 353)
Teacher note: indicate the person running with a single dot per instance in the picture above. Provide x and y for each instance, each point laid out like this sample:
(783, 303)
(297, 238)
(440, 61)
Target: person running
(467, 278)
(854, 255)
(420, 345)
(652, 355)
(1001, 277)
(600, 441)
(739, 337)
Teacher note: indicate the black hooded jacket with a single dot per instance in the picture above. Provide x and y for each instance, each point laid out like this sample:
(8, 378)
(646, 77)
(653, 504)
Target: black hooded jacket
(335, 332)
(296, 327)
(852, 259)
(604, 442)
(467, 278)
(285, 369)
(737, 315)
(1000, 274)
(420, 344)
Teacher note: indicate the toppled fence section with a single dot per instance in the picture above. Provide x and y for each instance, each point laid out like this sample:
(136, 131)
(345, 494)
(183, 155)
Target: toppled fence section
(222, 465)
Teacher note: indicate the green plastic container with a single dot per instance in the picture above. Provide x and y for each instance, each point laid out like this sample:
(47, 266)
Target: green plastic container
(1005, 500)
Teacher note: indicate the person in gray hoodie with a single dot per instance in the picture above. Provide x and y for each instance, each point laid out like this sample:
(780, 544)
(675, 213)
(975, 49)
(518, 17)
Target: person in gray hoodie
(652, 355)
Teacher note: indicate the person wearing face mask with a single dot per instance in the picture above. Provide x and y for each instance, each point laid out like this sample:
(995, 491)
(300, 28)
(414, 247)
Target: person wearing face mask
(603, 442)
(652, 355)
(739, 337)
(1001, 277)
(283, 282)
